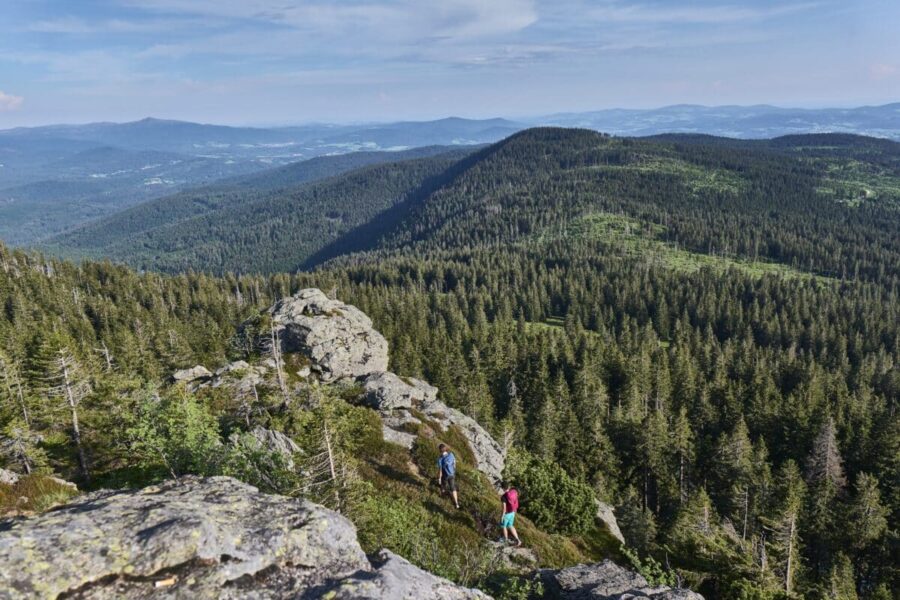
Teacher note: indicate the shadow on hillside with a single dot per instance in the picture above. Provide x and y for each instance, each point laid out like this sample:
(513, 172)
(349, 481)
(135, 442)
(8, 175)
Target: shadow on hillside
(368, 235)
(392, 473)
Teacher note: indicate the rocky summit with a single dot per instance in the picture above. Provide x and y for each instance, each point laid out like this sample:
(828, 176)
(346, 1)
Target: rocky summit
(338, 339)
(201, 538)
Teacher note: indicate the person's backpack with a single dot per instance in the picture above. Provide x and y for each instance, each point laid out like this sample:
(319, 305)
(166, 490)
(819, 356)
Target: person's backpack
(512, 499)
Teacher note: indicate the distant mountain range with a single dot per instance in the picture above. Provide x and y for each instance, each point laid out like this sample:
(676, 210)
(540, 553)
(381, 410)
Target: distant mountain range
(760, 121)
(56, 177)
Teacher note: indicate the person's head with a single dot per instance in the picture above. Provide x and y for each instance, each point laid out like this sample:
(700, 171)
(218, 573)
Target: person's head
(506, 485)
(442, 448)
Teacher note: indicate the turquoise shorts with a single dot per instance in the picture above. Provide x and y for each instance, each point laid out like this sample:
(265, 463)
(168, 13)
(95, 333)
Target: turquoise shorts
(508, 519)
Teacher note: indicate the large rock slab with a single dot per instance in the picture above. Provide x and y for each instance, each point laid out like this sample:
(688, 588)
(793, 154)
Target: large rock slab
(8, 477)
(193, 374)
(200, 538)
(607, 516)
(210, 532)
(387, 391)
(337, 338)
(607, 581)
(398, 579)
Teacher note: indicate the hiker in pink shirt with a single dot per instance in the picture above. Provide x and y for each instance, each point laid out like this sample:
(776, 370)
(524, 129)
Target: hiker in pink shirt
(510, 501)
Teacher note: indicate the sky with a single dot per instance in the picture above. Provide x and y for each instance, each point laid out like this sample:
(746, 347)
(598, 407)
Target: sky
(272, 62)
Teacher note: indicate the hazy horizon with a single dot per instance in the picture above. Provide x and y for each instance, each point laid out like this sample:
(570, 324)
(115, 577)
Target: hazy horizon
(265, 62)
(520, 119)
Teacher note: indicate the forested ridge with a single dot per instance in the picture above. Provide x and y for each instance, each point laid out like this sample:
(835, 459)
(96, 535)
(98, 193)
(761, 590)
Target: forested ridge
(262, 210)
(706, 333)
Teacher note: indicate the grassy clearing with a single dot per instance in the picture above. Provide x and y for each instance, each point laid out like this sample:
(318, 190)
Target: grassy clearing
(632, 238)
(853, 182)
(696, 178)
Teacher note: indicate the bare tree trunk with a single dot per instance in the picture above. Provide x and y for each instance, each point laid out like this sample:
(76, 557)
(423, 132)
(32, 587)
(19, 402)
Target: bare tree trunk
(790, 555)
(763, 557)
(76, 431)
(746, 510)
(279, 365)
(106, 357)
(18, 393)
(331, 468)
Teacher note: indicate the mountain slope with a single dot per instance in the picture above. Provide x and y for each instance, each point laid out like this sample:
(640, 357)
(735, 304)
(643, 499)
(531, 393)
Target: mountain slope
(761, 206)
(256, 224)
(118, 230)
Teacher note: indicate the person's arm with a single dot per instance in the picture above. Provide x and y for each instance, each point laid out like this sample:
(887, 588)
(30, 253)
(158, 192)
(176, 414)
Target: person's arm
(440, 473)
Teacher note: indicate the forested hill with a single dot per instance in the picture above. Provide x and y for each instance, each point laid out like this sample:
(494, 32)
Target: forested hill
(803, 202)
(819, 204)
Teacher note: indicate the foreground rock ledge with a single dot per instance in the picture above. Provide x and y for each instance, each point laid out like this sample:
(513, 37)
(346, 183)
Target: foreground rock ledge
(607, 581)
(201, 538)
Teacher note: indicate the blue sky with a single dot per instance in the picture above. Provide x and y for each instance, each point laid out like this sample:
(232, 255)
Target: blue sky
(294, 61)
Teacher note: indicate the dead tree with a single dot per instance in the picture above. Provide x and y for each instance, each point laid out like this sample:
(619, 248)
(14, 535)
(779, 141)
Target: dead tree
(272, 349)
(68, 383)
(12, 383)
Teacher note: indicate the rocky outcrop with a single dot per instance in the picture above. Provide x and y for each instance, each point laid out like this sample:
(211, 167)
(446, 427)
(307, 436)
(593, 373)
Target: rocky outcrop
(338, 339)
(607, 581)
(340, 343)
(396, 398)
(397, 579)
(240, 375)
(386, 392)
(8, 477)
(200, 538)
(488, 453)
(521, 560)
(197, 373)
(606, 516)
(270, 440)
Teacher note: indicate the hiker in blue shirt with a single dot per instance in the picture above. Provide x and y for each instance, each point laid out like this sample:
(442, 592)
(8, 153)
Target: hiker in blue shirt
(447, 473)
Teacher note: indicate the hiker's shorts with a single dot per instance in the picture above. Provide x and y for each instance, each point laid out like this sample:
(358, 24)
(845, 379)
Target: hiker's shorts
(450, 484)
(508, 520)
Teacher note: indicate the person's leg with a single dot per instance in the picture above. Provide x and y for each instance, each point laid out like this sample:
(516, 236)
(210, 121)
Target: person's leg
(456, 498)
(515, 534)
(505, 535)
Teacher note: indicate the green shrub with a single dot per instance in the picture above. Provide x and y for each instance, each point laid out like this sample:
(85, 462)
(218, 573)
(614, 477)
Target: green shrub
(549, 496)
(249, 461)
(651, 569)
(399, 525)
(175, 434)
(519, 588)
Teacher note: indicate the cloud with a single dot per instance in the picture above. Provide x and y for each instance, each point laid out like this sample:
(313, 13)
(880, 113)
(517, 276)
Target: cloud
(621, 12)
(8, 102)
(409, 18)
(882, 71)
(78, 26)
